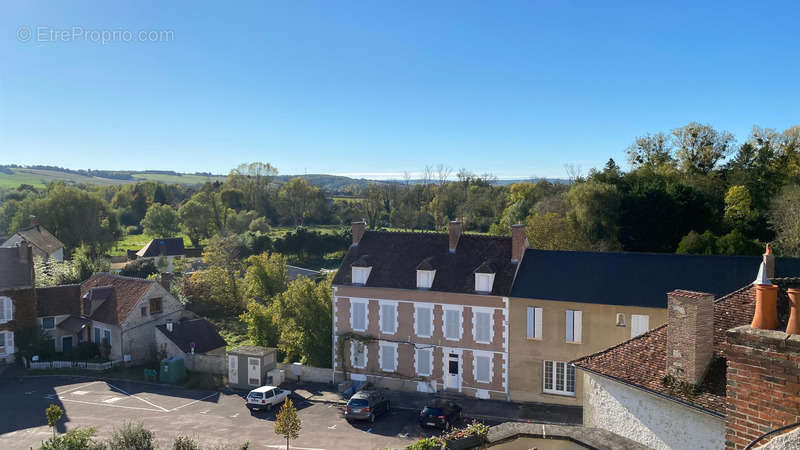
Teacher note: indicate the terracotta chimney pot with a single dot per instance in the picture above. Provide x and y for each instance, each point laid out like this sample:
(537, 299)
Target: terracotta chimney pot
(793, 327)
(766, 315)
(769, 262)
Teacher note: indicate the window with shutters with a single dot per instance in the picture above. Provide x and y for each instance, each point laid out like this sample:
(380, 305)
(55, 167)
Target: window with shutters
(482, 326)
(6, 310)
(452, 324)
(558, 378)
(388, 356)
(573, 326)
(423, 320)
(388, 317)
(358, 314)
(534, 323)
(101, 335)
(358, 351)
(48, 323)
(156, 305)
(425, 278)
(423, 362)
(2, 342)
(640, 324)
(483, 367)
(360, 275)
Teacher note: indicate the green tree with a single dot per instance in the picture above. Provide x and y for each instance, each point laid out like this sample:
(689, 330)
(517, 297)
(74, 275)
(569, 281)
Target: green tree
(161, 221)
(695, 243)
(53, 414)
(594, 207)
(699, 147)
(266, 276)
(784, 215)
(738, 207)
(254, 180)
(551, 231)
(287, 422)
(195, 218)
(298, 201)
(651, 150)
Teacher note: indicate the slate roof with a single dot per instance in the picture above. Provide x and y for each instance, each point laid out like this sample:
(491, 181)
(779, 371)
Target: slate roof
(395, 256)
(252, 350)
(642, 361)
(37, 236)
(295, 272)
(634, 279)
(200, 331)
(58, 300)
(162, 247)
(116, 296)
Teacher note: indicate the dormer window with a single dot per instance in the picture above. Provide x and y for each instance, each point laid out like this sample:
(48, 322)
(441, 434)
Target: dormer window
(484, 282)
(360, 275)
(425, 278)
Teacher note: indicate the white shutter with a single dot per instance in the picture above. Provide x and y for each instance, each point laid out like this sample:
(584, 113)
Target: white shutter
(423, 321)
(482, 325)
(423, 362)
(568, 326)
(538, 325)
(359, 313)
(2, 343)
(578, 322)
(640, 324)
(531, 321)
(10, 343)
(452, 324)
(388, 319)
(482, 369)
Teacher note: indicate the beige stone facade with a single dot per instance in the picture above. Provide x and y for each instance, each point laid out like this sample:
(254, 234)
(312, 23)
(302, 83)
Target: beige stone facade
(463, 362)
(601, 326)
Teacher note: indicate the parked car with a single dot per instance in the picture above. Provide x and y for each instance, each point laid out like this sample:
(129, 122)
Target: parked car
(440, 413)
(265, 397)
(366, 405)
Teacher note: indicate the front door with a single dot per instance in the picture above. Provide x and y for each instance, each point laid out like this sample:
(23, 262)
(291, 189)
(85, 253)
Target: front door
(254, 371)
(233, 369)
(453, 376)
(66, 344)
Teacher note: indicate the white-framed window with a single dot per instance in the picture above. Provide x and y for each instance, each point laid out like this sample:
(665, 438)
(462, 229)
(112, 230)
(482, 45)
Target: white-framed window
(558, 378)
(425, 278)
(360, 275)
(423, 361)
(452, 323)
(423, 320)
(533, 323)
(483, 367)
(573, 325)
(388, 317)
(484, 282)
(482, 329)
(6, 343)
(48, 323)
(6, 310)
(387, 354)
(640, 324)
(358, 314)
(620, 321)
(358, 354)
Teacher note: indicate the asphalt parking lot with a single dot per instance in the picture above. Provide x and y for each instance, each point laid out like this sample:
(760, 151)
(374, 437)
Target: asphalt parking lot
(211, 417)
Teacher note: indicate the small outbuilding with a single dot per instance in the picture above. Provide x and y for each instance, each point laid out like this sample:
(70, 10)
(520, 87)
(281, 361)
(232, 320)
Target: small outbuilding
(248, 366)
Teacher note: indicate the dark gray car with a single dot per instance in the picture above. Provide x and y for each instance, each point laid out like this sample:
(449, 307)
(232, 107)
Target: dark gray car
(366, 405)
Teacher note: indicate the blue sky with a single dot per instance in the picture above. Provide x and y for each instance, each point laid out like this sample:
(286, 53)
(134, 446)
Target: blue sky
(517, 89)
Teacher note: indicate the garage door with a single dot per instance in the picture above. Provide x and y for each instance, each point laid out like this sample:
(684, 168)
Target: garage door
(233, 369)
(254, 371)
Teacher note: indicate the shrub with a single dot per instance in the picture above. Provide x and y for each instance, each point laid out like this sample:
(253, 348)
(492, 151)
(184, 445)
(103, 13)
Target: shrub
(86, 351)
(430, 443)
(132, 230)
(185, 443)
(474, 429)
(132, 436)
(141, 268)
(79, 438)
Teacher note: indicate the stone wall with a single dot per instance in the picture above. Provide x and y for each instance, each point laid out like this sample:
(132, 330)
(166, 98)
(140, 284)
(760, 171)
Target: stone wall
(205, 363)
(648, 419)
(310, 374)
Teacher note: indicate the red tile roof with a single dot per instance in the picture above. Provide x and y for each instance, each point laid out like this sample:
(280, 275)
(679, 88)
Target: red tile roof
(642, 361)
(127, 293)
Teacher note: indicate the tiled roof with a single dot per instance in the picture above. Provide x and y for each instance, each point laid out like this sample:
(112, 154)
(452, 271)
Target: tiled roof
(114, 307)
(395, 257)
(37, 236)
(201, 332)
(642, 361)
(162, 247)
(58, 300)
(634, 279)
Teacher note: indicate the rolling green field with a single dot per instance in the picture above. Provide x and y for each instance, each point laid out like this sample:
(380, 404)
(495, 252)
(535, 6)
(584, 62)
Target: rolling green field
(137, 241)
(40, 177)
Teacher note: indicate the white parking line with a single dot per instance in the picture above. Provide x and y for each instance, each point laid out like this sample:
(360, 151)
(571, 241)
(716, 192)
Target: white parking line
(108, 404)
(77, 387)
(113, 399)
(138, 398)
(193, 402)
(292, 446)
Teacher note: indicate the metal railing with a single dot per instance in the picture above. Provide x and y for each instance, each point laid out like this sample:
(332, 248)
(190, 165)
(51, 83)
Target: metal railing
(45, 365)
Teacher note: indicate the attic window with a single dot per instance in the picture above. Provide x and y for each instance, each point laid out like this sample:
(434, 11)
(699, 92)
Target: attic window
(484, 282)
(425, 278)
(155, 306)
(360, 275)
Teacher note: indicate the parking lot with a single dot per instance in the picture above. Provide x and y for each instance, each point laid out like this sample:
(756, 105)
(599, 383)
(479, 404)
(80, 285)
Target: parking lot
(211, 417)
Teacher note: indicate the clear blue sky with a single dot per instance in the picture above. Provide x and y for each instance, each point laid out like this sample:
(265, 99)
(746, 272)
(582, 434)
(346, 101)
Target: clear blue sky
(517, 89)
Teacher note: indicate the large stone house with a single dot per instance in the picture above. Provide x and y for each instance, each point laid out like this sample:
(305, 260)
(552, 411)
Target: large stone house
(425, 311)
(17, 297)
(169, 249)
(43, 243)
(706, 379)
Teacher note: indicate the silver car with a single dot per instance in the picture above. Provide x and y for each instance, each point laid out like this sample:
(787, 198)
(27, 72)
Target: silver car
(366, 405)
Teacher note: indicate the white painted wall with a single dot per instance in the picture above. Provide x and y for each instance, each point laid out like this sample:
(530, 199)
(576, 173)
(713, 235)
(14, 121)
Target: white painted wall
(646, 418)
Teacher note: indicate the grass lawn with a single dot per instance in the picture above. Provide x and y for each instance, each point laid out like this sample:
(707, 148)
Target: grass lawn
(280, 231)
(137, 241)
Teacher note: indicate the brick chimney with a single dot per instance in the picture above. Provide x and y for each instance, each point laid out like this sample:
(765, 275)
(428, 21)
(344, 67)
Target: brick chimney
(519, 242)
(454, 230)
(690, 335)
(769, 262)
(763, 392)
(358, 231)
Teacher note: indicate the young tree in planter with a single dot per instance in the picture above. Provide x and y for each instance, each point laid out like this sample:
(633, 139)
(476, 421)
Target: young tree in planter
(54, 413)
(287, 424)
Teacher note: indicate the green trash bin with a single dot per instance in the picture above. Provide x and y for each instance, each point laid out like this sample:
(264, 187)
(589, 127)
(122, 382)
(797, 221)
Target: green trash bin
(172, 370)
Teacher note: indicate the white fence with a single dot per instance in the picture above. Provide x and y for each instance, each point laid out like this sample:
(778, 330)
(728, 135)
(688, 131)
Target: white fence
(43, 365)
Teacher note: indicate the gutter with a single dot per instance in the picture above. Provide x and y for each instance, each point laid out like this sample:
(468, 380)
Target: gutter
(656, 393)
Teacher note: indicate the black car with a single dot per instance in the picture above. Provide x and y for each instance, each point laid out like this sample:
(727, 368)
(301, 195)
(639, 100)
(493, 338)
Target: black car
(365, 405)
(440, 413)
